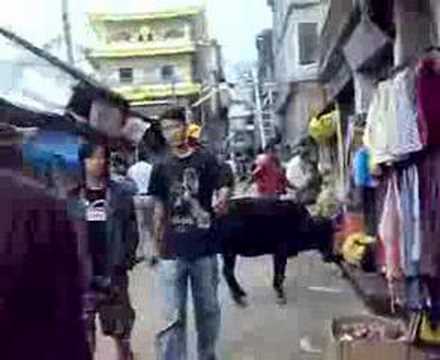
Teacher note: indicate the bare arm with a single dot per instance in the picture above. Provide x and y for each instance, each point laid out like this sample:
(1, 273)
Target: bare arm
(159, 222)
(222, 200)
(225, 193)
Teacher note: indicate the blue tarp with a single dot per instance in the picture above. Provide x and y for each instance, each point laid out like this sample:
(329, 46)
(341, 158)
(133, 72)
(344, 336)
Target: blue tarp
(51, 148)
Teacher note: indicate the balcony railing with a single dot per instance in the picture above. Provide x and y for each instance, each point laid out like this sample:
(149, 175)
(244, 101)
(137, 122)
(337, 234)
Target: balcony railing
(157, 91)
(123, 49)
(158, 43)
(148, 79)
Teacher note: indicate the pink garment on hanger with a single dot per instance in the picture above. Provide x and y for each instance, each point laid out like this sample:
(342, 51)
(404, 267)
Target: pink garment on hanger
(389, 230)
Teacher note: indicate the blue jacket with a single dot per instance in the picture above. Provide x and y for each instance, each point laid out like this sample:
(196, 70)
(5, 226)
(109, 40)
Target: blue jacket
(361, 168)
(122, 234)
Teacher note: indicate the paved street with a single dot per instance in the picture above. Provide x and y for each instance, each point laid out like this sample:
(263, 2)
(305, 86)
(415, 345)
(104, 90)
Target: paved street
(263, 330)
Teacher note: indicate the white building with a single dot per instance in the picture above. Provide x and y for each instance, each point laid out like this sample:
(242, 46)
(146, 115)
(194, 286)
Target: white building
(296, 28)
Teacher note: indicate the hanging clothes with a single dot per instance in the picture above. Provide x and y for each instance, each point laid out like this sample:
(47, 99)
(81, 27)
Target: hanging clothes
(429, 169)
(392, 132)
(414, 293)
(361, 169)
(380, 196)
(409, 139)
(428, 104)
(389, 230)
(410, 226)
(381, 131)
(365, 184)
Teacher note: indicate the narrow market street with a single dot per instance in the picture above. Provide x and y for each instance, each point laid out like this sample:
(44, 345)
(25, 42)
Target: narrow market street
(140, 140)
(316, 294)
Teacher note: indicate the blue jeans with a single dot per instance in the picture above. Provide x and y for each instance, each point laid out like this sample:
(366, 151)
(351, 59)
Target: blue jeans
(202, 274)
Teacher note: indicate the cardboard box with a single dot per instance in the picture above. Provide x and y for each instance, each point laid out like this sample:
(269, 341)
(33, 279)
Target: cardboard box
(368, 350)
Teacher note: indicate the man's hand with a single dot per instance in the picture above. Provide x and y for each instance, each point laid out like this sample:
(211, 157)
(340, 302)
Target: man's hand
(221, 207)
(221, 201)
(153, 261)
(158, 231)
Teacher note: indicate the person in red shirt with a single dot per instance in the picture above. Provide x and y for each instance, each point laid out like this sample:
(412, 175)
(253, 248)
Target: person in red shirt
(271, 181)
(269, 175)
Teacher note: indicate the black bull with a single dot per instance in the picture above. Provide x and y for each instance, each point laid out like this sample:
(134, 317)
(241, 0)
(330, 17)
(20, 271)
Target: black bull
(255, 227)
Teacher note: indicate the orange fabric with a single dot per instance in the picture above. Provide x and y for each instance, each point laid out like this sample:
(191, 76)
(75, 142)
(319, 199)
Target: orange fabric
(353, 223)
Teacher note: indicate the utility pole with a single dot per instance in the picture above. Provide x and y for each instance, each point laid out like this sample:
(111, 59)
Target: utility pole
(258, 109)
(67, 31)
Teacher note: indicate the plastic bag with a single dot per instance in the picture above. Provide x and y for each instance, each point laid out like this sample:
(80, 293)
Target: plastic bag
(323, 128)
(428, 334)
(355, 248)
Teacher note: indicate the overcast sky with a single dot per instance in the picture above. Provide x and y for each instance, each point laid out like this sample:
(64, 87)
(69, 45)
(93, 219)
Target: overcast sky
(234, 23)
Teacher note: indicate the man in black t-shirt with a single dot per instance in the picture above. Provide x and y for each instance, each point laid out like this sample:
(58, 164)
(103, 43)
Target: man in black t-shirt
(183, 186)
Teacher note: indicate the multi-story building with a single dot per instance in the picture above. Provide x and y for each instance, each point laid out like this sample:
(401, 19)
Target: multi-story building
(153, 58)
(161, 58)
(363, 40)
(251, 115)
(296, 28)
(241, 126)
(362, 43)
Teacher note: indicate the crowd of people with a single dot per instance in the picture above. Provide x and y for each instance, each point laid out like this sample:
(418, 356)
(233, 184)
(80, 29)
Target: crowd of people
(66, 262)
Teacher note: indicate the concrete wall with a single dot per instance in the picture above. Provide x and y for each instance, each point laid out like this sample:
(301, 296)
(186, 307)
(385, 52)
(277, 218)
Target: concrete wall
(307, 98)
(294, 71)
(209, 69)
(414, 27)
(278, 11)
(286, 40)
(435, 9)
(264, 44)
(364, 87)
(297, 83)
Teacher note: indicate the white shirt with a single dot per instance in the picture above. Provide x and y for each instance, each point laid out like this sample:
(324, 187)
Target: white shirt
(233, 166)
(295, 173)
(140, 173)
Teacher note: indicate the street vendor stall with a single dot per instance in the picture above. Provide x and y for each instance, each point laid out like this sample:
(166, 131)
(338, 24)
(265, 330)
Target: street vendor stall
(396, 176)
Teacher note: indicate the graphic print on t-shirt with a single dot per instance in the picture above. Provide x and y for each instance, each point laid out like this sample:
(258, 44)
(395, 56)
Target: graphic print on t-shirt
(186, 210)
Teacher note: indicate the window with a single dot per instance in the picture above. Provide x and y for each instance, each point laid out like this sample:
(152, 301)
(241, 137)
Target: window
(126, 75)
(120, 36)
(308, 43)
(174, 34)
(168, 72)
